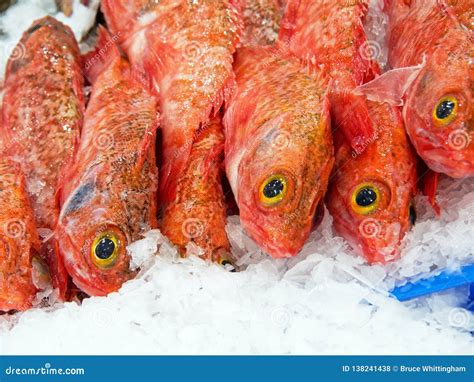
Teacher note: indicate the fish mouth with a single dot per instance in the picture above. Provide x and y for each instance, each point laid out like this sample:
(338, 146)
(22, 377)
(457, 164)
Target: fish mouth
(441, 161)
(275, 248)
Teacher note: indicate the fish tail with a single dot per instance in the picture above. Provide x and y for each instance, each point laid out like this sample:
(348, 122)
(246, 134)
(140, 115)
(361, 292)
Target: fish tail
(104, 54)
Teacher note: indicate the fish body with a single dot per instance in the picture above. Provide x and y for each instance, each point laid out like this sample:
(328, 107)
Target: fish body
(438, 110)
(42, 116)
(19, 240)
(371, 189)
(109, 194)
(279, 150)
(186, 47)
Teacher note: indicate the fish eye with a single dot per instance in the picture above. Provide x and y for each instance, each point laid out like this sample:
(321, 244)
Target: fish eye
(273, 190)
(446, 110)
(105, 249)
(365, 199)
(227, 265)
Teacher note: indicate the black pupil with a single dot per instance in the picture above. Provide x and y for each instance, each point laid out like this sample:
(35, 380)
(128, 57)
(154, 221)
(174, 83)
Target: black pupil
(444, 109)
(412, 215)
(273, 188)
(105, 248)
(366, 197)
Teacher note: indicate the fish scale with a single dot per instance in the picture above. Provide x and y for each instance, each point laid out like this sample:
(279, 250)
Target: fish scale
(262, 20)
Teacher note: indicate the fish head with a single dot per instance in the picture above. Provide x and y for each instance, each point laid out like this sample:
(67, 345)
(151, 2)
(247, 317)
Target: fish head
(92, 234)
(282, 178)
(438, 112)
(371, 197)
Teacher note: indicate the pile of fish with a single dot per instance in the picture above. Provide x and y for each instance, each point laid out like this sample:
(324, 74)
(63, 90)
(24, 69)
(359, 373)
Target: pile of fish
(282, 97)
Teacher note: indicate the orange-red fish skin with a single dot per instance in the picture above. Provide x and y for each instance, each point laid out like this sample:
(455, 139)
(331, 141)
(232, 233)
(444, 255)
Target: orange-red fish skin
(187, 48)
(434, 33)
(42, 117)
(262, 20)
(112, 188)
(198, 213)
(277, 123)
(19, 240)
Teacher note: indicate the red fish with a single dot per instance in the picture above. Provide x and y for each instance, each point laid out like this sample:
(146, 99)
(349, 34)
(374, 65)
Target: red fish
(279, 150)
(187, 48)
(438, 111)
(42, 117)
(371, 192)
(109, 194)
(19, 241)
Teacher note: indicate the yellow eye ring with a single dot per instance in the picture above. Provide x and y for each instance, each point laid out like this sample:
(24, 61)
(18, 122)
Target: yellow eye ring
(365, 199)
(273, 190)
(105, 250)
(446, 110)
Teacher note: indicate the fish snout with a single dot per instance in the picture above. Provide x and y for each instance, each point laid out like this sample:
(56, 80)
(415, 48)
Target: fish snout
(380, 240)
